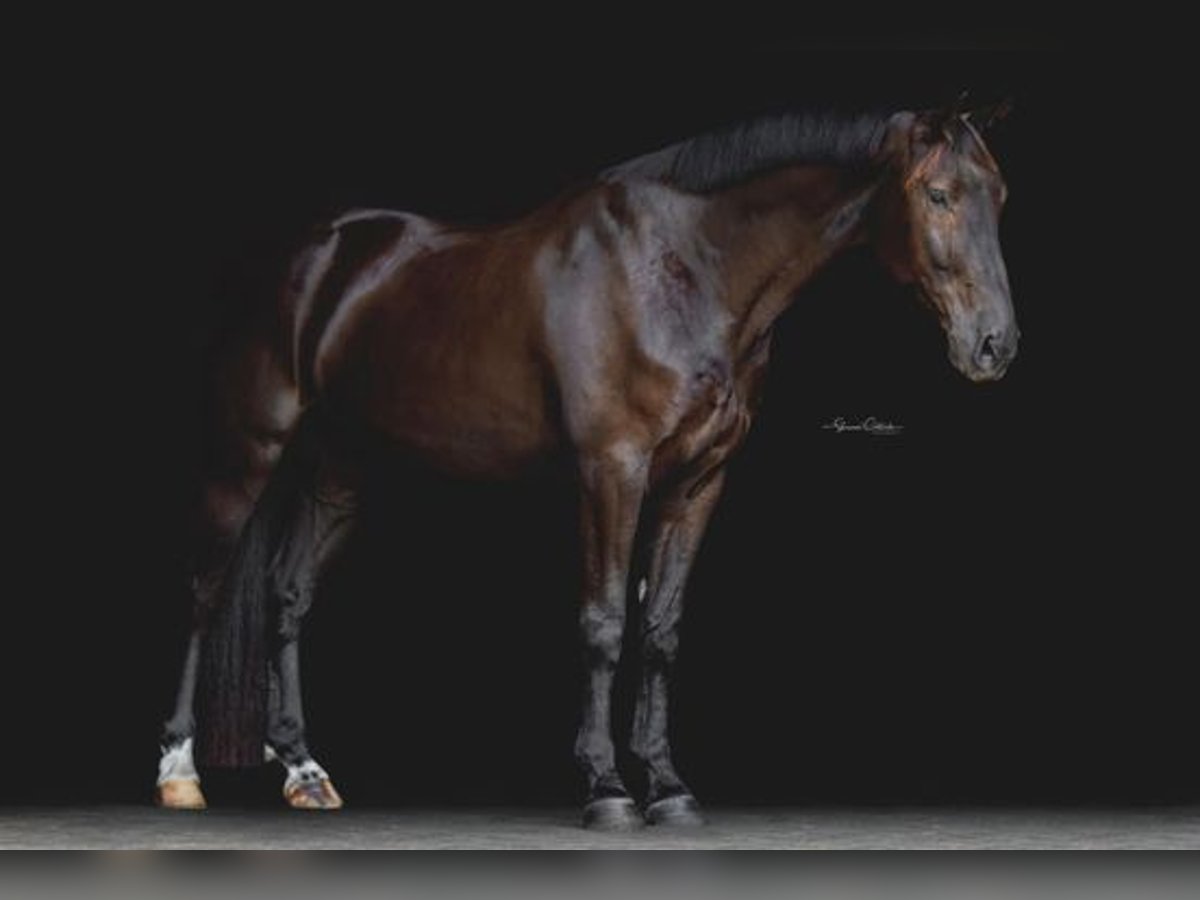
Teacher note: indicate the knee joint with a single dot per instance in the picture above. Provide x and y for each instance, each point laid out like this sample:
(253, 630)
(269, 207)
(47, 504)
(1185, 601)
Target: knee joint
(602, 634)
(660, 645)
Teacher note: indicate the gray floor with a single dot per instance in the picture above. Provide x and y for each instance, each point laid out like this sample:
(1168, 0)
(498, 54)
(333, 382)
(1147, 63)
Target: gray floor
(146, 827)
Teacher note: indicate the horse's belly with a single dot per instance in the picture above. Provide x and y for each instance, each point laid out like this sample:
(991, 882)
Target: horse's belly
(470, 414)
(468, 441)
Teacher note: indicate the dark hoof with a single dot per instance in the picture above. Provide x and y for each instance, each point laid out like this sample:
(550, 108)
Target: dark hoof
(682, 809)
(611, 814)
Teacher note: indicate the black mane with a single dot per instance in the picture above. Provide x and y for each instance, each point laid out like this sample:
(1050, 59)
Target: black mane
(723, 158)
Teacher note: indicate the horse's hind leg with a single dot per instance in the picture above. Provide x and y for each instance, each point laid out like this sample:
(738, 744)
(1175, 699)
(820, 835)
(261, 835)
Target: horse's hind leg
(321, 522)
(254, 412)
(178, 785)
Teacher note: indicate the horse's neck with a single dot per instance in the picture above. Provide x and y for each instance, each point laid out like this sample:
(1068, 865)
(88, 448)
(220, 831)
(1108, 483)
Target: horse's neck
(774, 233)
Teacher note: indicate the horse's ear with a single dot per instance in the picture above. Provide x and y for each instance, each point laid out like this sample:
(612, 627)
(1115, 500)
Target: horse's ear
(985, 118)
(937, 125)
(959, 107)
(931, 127)
(954, 112)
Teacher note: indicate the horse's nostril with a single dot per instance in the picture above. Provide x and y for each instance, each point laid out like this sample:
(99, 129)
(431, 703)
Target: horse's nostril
(987, 350)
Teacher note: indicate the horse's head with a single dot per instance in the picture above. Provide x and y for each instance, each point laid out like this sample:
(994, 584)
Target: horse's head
(939, 228)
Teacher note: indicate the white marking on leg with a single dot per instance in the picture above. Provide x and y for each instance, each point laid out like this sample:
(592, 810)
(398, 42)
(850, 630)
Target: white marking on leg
(269, 753)
(306, 772)
(176, 763)
(643, 587)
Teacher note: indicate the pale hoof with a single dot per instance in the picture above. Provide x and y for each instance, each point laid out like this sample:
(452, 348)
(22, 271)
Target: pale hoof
(180, 793)
(319, 794)
(611, 814)
(680, 810)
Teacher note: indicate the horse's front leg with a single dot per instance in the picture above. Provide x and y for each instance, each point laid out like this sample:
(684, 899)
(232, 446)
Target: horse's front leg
(613, 485)
(673, 536)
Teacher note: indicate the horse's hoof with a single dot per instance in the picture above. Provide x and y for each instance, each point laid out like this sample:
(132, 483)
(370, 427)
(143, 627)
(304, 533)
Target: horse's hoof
(681, 810)
(180, 793)
(318, 794)
(611, 814)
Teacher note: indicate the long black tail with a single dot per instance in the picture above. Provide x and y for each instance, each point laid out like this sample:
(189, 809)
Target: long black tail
(232, 691)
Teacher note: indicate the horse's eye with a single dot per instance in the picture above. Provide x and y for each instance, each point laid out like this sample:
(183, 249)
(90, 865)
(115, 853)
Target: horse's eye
(938, 197)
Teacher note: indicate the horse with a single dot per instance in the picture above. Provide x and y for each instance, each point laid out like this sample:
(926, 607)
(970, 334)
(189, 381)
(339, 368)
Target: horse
(625, 327)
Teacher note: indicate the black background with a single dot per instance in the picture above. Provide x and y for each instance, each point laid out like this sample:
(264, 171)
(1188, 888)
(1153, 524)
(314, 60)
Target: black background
(989, 607)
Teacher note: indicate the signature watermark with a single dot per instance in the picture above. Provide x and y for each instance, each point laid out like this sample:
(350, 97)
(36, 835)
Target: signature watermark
(869, 425)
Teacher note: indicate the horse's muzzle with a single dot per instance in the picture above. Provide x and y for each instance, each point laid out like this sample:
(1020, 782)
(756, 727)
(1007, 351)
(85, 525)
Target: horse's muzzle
(993, 352)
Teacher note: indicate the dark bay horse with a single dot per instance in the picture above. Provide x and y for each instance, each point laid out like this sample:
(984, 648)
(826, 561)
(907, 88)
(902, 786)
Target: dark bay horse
(625, 326)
